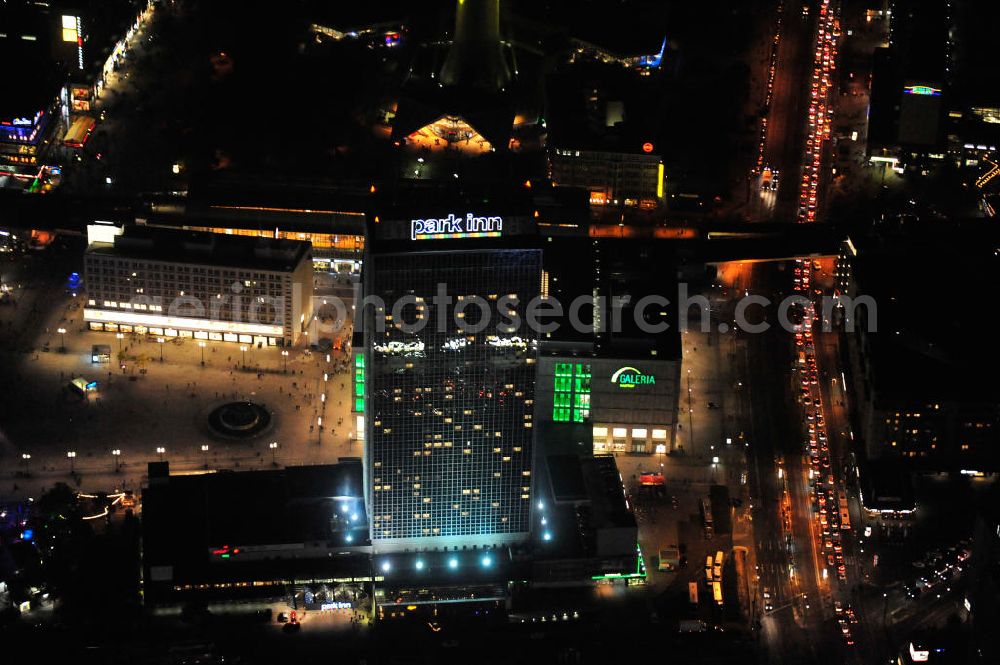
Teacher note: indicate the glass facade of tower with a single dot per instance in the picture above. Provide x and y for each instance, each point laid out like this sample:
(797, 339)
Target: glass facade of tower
(450, 406)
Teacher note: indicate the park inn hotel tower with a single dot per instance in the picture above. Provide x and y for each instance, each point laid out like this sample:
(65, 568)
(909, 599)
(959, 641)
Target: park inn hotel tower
(449, 403)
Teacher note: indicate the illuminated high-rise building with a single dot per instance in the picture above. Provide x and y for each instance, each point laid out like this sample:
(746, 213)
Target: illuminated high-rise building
(450, 395)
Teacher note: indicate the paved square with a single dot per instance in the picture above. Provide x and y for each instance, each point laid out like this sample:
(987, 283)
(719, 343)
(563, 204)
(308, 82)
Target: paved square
(163, 404)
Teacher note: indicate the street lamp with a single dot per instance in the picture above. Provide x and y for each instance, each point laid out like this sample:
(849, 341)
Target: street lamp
(243, 348)
(284, 355)
(159, 451)
(26, 458)
(274, 451)
(160, 340)
(62, 344)
(120, 337)
(71, 454)
(204, 449)
(117, 454)
(202, 345)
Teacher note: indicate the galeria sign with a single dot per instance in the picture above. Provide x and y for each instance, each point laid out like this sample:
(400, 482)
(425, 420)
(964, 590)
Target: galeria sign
(630, 377)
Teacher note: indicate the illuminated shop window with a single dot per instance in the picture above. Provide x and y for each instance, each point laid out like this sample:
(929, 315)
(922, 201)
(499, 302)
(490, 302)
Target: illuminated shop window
(571, 393)
(359, 383)
(69, 29)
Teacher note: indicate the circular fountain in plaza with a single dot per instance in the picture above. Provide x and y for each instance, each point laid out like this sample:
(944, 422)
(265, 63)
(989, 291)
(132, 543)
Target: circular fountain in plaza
(239, 420)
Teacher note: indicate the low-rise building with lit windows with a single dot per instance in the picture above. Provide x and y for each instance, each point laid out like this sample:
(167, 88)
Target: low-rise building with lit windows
(612, 178)
(329, 216)
(923, 388)
(198, 285)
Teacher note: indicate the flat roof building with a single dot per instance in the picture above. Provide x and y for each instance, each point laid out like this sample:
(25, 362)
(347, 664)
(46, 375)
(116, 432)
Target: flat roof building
(923, 386)
(611, 178)
(590, 532)
(607, 384)
(259, 532)
(329, 215)
(199, 285)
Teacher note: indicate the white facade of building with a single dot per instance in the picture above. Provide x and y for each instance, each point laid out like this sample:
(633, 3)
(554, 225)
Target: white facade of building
(190, 297)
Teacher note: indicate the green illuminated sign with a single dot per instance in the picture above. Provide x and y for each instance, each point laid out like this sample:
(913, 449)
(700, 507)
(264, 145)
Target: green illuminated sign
(630, 377)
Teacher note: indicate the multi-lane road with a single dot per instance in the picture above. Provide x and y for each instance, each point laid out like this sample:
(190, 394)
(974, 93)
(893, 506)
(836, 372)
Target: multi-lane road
(793, 568)
(785, 113)
(785, 563)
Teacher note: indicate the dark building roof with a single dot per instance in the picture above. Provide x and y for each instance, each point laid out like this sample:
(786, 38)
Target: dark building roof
(32, 80)
(263, 205)
(521, 208)
(623, 27)
(885, 485)
(566, 477)
(611, 506)
(920, 35)
(930, 342)
(587, 495)
(615, 268)
(167, 245)
(984, 579)
(186, 517)
(976, 75)
(345, 16)
(887, 83)
(577, 103)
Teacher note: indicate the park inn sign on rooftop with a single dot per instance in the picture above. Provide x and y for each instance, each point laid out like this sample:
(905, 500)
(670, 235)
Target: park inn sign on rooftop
(454, 226)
